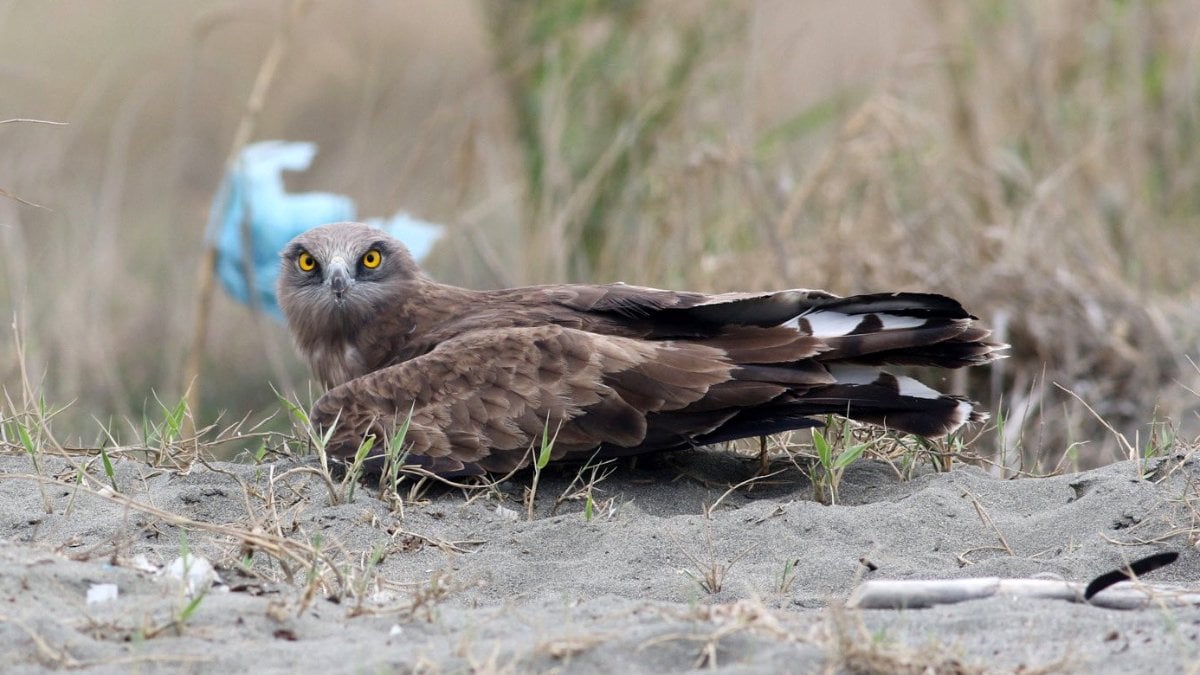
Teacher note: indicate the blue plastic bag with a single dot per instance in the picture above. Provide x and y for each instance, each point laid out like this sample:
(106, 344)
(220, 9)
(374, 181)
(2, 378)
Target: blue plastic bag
(253, 192)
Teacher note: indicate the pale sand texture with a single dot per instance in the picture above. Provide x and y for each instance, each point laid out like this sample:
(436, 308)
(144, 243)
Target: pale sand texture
(610, 595)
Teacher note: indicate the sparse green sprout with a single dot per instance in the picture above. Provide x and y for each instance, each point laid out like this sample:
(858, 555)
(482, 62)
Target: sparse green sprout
(190, 608)
(315, 542)
(173, 420)
(301, 419)
(26, 440)
(298, 414)
(108, 468)
(369, 568)
(1162, 440)
(376, 556)
(356, 466)
(395, 455)
(830, 466)
(540, 460)
(21, 431)
(167, 431)
(543, 457)
(788, 577)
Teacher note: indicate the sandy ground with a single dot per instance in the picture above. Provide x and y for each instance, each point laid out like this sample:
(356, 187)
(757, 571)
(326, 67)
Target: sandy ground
(465, 583)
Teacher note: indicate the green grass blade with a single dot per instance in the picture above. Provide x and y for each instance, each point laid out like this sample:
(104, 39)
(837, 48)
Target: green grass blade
(108, 468)
(824, 451)
(543, 457)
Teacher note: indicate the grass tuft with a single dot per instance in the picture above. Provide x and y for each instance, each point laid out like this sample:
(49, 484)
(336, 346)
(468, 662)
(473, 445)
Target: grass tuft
(540, 459)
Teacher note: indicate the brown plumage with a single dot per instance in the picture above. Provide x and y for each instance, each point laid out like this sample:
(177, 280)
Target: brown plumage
(613, 368)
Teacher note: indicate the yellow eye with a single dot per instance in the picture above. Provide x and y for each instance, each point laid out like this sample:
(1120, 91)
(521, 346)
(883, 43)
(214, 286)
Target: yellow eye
(305, 262)
(372, 258)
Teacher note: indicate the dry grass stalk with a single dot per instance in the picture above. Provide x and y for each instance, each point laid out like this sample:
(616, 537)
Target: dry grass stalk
(855, 650)
(245, 131)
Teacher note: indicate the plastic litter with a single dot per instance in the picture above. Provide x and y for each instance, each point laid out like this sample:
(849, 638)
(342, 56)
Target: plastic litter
(98, 593)
(253, 192)
(196, 572)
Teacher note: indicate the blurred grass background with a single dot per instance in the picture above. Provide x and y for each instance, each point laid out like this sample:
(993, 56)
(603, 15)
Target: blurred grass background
(1037, 160)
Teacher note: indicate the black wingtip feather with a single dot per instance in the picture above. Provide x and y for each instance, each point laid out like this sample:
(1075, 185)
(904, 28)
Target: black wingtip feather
(917, 305)
(1135, 569)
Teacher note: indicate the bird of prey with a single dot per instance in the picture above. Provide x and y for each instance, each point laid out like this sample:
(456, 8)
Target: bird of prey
(610, 370)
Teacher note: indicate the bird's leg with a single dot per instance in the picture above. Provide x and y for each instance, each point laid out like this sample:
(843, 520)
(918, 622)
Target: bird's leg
(764, 463)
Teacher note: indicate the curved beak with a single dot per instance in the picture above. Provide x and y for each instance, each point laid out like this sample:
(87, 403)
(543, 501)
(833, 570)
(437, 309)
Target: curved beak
(337, 276)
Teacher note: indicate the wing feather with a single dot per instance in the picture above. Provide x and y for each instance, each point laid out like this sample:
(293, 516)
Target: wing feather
(481, 402)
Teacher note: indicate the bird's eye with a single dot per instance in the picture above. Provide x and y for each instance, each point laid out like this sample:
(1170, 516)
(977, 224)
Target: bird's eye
(305, 262)
(372, 258)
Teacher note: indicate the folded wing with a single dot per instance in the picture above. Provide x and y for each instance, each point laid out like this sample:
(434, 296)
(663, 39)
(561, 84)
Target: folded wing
(482, 401)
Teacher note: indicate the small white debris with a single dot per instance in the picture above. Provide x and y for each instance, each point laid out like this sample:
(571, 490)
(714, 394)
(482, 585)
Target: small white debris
(382, 598)
(99, 593)
(196, 572)
(396, 630)
(141, 563)
(507, 513)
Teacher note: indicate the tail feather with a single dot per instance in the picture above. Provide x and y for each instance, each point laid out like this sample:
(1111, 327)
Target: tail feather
(865, 394)
(900, 402)
(874, 403)
(922, 305)
(848, 341)
(801, 355)
(949, 354)
(911, 329)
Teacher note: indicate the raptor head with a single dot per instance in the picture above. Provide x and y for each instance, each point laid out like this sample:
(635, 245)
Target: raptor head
(335, 278)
